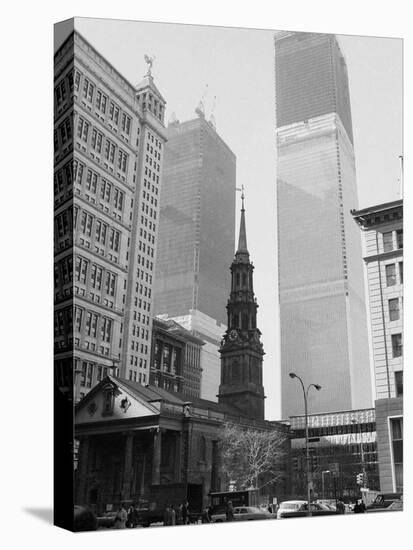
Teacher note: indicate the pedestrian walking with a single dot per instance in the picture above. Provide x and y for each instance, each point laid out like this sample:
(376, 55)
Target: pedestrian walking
(121, 518)
(229, 511)
(184, 513)
(167, 515)
(340, 506)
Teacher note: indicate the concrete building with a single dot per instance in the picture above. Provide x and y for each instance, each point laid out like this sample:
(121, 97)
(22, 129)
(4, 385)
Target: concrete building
(109, 146)
(342, 445)
(210, 332)
(382, 227)
(175, 358)
(197, 221)
(323, 322)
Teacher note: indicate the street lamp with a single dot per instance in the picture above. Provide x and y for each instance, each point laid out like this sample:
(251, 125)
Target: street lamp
(322, 480)
(307, 450)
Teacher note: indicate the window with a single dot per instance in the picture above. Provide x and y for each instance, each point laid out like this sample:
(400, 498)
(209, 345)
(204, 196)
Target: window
(101, 231)
(106, 329)
(65, 130)
(96, 277)
(396, 429)
(398, 382)
(60, 93)
(114, 112)
(394, 309)
(82, 129)
(388, 241)
(105, 190)
(86, 224)
(78, 171)
(101, 101)
(96, 141)
(77, 80)
(110, 283)
(126, 123)
(399, 238)
(78, 318)
(114, 239)
(390, 274)
(81, 269)
(118, 199)
(91, 324)
(397, 345)
(401, 272)
(91, 181)
(122, 160)
(110, 151)
(88, 89)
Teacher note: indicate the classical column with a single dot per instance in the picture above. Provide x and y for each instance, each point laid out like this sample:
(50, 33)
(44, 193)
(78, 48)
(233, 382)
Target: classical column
(82, 470)
(156, 459)
(178, 452)
(127, 466)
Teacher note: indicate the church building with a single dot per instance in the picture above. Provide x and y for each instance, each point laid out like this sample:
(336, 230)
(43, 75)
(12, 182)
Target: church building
(147, 444)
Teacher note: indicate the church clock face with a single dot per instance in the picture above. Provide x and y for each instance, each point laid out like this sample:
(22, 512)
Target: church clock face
(233, 335)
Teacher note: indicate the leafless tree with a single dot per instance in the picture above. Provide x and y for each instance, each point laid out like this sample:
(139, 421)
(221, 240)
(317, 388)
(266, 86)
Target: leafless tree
(252, 457)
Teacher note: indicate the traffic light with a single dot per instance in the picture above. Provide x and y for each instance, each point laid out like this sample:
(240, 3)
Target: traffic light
(360, 479)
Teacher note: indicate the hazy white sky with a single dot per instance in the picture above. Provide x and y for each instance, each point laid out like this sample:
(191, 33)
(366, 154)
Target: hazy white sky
(238, 66)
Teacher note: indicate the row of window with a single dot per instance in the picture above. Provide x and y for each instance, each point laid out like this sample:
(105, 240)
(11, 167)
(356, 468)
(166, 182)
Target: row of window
(133, 375)
(63, 322)
(63, 89)
(134, 361)
(102, 145)
(87, 371)
(150, 102)
(135, 347)
(141, 273)
(392, 240)
(93, 182)
(99, 277)
(94, 324)
(91, 94)
(99, 231)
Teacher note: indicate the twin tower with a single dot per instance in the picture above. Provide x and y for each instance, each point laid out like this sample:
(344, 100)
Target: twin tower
(241, 348)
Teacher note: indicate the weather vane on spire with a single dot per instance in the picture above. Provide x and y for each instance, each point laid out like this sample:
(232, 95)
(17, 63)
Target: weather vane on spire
(242, 194)
(149, 59)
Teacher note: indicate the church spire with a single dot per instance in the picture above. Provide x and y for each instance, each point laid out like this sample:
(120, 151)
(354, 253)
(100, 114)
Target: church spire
(242, 240)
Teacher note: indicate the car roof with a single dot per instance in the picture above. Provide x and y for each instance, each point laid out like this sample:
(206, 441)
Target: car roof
(294, 502)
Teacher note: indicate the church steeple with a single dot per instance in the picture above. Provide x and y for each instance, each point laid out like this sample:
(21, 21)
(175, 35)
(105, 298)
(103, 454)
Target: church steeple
(242, 240)
(241, 349)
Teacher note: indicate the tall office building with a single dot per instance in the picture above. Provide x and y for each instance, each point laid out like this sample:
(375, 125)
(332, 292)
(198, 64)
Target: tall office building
(109, 138)
(197, 221)
(321, 287)
(382, 227)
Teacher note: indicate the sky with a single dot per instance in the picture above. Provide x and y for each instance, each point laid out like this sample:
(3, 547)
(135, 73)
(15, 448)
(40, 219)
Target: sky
(238, 67)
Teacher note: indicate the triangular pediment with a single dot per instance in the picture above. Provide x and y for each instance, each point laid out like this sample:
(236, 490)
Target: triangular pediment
(113, 401)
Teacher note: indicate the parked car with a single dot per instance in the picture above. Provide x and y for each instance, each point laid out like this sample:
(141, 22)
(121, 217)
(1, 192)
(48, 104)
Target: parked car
(107, 519)
(384, 500)
(298, 508)
(248, 513)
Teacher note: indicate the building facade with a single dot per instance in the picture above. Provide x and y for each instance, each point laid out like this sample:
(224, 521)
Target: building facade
(342, 446)
(323, 327)
(109, 145)
(175, 358)
(382, 227)
(210, 332)
(197, 221)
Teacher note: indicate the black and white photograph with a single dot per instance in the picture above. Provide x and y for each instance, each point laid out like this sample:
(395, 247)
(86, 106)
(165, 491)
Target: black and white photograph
(228, 274)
